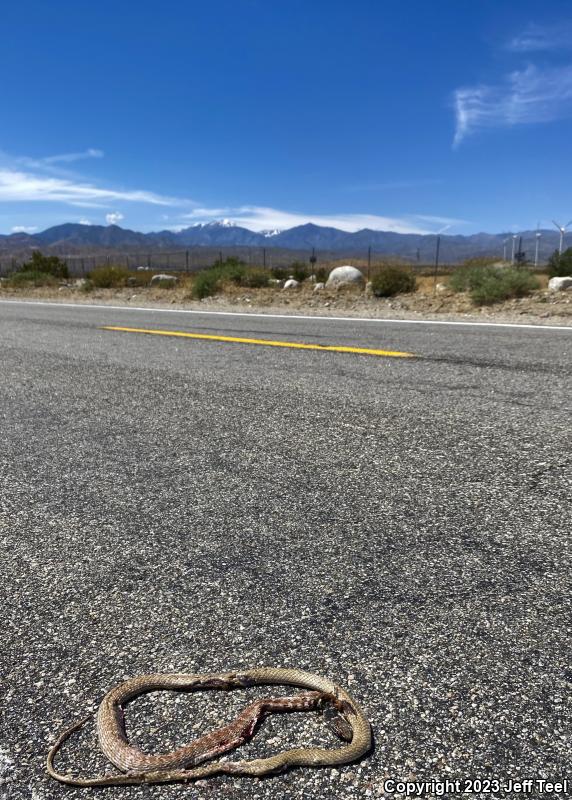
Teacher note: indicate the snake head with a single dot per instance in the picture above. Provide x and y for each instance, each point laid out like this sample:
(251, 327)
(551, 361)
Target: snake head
(338, 723)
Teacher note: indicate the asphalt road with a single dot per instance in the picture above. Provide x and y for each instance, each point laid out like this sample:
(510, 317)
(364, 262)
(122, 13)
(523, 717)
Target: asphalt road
(400, 525)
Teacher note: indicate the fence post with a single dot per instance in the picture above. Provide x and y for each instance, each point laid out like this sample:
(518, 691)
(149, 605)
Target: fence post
(436, 264)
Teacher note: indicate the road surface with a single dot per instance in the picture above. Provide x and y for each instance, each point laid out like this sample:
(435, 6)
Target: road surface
(401, 524)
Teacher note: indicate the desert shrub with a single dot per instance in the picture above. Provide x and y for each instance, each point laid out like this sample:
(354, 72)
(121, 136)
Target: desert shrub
(321, 274)
(462, 278)
(299, 271)
(255, 277)
(231, 269)
(280, 273)
(211, 280)
(108, 277)
(560, 264)
(206, 283)
(505, 284)
(48, 265)
(389, 281)
(30, 277)
(487, 285)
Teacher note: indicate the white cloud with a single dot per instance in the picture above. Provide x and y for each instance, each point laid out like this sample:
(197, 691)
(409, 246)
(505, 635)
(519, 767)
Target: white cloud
(24, 228)
(535, 38)
(260, 218)
(84, 221)
(22, 186)
(113, 218)
(67, 158)
(51, 164)
(525, 96)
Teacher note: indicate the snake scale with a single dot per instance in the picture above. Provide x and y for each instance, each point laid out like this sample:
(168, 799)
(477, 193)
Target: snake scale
(186, 763)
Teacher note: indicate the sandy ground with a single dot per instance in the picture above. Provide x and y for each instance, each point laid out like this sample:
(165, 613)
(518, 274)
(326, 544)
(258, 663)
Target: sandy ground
(429, 301)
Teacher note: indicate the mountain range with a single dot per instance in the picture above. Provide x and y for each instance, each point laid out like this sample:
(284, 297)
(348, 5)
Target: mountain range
(76, 238)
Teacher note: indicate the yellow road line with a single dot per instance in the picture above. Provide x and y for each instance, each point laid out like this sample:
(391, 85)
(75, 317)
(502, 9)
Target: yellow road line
(298, 345)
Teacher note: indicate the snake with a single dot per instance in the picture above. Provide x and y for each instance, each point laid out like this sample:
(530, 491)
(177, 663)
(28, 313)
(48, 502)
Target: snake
(186, 763)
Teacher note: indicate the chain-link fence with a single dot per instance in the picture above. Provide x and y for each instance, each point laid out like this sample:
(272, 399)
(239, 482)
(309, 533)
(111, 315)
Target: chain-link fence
(194, 259)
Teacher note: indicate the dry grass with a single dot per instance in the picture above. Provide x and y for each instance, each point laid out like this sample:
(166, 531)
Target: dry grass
(352, 301)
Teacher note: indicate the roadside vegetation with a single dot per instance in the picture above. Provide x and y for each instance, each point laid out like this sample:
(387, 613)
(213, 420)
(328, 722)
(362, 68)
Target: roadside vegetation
(487, 285)
(115, 277)
(108, 277)
(478, 282)
(388, 281)
(560, 264)
(40, 270)
(213, 279)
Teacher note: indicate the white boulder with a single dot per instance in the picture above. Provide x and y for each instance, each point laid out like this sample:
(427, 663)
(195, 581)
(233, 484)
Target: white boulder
(342, 276)
(560, 284)
(319, 286)
(164, 278)
(291, 284)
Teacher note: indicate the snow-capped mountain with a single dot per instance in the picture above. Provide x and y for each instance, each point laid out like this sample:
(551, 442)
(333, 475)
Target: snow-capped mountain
(75, 237)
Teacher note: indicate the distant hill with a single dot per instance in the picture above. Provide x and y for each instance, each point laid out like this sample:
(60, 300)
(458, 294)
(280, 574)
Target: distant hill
(74, 237)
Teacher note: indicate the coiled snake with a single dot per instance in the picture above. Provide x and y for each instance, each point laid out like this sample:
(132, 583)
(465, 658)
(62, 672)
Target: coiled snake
(345, 715)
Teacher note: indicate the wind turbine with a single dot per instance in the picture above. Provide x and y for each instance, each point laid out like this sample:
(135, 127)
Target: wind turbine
(562, 229)
(437, 248)
(504, 244)
(514, 238)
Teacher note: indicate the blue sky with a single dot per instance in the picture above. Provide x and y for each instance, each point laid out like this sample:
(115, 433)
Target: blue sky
(407, 116)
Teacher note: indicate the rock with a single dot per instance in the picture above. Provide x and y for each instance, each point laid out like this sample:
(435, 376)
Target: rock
(369, 289)
(141, 269)
(291, 284)
(560, 284)
(132, 281)
(163, 278)
(319, 286)
(342, 276)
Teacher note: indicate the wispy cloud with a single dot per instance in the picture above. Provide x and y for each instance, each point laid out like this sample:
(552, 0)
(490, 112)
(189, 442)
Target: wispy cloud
(50, 163)
(261, 218)
(114, 218)
(525, 96)
(536, 38)
(24, 186)
(24, 228)
(67, 158)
